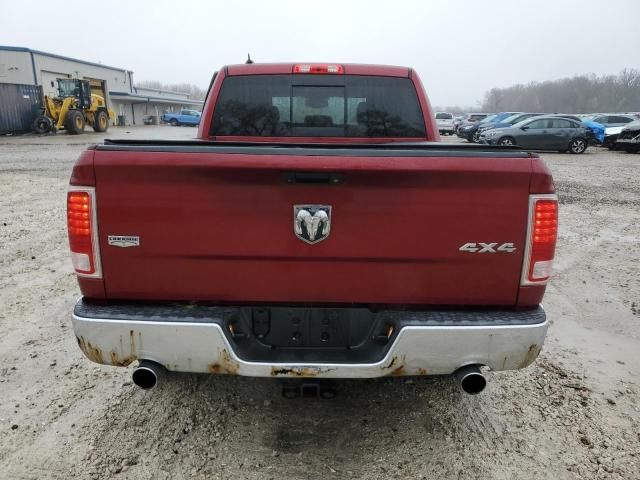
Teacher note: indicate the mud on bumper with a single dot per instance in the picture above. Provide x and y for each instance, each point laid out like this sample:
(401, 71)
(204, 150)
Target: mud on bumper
(362, 343)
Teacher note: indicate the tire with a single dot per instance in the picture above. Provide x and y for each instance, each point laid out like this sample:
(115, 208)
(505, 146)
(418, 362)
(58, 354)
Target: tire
(74, 123)
(174, 122)
(42, 124)
(507, 142)
(632, 149)
(469, 138)
(476, 137)
(577, 145)
(101, 121)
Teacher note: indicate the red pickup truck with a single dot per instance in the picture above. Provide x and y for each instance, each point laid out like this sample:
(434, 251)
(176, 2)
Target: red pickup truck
(316, 228)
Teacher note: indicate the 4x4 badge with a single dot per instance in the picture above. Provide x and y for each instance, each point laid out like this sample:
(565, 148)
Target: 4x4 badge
(491, 247)
(312, 223)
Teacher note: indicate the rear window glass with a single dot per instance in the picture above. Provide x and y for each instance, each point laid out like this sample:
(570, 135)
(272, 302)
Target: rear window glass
(444, 116)
(318, 106)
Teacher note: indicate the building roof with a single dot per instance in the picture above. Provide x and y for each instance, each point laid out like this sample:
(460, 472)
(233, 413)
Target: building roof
(62, 57)
(132, 97)
(160, 90)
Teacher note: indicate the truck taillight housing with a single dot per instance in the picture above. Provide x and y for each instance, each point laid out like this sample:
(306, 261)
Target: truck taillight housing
(82, 230)
(542, 234)
(317, 68)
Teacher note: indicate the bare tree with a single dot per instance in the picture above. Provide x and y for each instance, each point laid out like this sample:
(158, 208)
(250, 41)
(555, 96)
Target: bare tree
(579, 94)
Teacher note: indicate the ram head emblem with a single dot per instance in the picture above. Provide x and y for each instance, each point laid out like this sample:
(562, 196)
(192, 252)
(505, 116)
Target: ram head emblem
(312, 223)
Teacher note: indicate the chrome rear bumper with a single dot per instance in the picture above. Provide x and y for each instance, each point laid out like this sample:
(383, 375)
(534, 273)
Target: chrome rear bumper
(197, 344)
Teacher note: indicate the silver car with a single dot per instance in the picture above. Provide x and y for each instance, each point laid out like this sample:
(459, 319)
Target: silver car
(613, 119)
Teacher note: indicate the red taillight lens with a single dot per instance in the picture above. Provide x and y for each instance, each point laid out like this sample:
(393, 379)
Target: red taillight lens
(316, 68)
(543, 232)
(81, 229)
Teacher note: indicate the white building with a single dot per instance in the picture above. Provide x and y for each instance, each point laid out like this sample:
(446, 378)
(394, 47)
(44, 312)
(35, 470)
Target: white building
(24, 66)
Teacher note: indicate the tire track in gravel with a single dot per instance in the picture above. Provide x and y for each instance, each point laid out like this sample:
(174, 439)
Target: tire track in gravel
(240, 429)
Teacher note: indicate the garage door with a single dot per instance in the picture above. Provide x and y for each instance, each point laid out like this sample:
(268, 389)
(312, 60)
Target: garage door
(97, 86)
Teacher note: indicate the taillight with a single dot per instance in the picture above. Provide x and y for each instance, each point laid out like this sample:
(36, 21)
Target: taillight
(541, 239)
(317, 68)
(82, 230)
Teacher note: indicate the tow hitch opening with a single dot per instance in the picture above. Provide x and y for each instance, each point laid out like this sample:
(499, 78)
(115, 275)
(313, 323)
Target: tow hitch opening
(325, 390)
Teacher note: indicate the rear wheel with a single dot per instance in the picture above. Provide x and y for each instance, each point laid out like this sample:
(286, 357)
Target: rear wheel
(577, 145)
(174, 122)
(42, 124)
(74, 123)
(101, 122)
(507, 142)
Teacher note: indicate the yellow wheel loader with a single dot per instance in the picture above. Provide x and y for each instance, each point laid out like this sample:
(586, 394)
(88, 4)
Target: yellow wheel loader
(73, 108)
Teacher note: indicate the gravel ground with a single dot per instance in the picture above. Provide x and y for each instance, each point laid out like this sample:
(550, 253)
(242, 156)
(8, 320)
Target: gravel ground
(574, 414)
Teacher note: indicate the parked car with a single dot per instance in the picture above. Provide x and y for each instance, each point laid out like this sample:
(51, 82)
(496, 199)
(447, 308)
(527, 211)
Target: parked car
(612, 123)
(541, 133)
(596, 130)
(629, 138)
(444, 121)
(469, 118)
(611, 136)
(613, 119)
(507, 122)
(221, 255)
(184, 117)
(469, 131)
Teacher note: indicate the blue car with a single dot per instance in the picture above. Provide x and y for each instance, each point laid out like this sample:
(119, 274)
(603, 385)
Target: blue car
(183, 117)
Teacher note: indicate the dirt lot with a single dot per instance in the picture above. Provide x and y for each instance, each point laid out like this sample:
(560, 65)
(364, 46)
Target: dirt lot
(573, 414)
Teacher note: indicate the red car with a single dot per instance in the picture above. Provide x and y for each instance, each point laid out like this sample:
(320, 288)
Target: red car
(316, 229)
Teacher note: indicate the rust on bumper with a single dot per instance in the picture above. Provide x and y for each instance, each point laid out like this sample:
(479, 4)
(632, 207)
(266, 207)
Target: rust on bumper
(203, 347)
(224, 364)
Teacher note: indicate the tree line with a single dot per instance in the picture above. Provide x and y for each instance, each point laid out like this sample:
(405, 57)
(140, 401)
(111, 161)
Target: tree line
(578, 94)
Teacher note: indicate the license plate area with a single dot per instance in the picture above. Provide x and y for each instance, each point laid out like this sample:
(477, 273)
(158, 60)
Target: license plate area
(315, 328)
(307, 334)
(311, 327)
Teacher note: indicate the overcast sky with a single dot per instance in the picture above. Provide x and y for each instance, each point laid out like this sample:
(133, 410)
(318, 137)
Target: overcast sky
(460, 48)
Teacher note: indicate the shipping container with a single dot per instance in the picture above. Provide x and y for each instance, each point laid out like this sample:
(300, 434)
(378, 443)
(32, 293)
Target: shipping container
(19, 106)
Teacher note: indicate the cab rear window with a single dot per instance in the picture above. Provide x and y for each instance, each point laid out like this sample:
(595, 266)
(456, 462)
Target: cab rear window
(317, 106)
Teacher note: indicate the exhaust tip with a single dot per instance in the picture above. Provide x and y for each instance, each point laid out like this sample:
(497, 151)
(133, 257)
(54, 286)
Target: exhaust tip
(147, 375)
(471, 379)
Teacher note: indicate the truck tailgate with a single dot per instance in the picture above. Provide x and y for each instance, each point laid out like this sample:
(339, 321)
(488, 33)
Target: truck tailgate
(217, 224)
